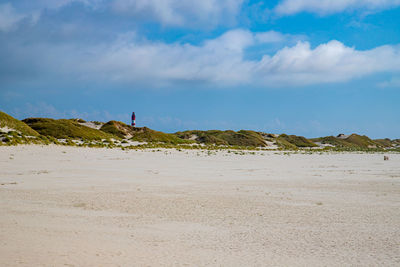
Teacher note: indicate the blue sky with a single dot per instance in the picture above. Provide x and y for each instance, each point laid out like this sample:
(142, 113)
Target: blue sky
(306, 67)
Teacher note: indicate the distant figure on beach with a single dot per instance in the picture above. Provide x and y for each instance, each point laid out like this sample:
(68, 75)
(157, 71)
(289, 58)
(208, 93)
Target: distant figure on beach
(385, 157)
(133, 123)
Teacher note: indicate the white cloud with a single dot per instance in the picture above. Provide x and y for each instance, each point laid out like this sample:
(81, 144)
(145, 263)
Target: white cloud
(9, 17)
(330, 62)
(181, 12)
(52, 4)
(324, 7)
(270, 37)
(219, 62)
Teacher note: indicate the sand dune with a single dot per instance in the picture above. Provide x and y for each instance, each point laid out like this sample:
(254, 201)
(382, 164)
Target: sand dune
(66, 206)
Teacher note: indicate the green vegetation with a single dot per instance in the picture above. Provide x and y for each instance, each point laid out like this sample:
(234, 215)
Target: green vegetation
(16, 132)
(12, 123)
(282, 143)
(117, 128)
(362, 141)
(294, 140)
(145, 134)
(78, 120)
(357, 142)
(227, 138)
(191, 146)
(16, 138)
(334, 141)
(385, 142)
(71, 132)
(65, 129)
(141, 134)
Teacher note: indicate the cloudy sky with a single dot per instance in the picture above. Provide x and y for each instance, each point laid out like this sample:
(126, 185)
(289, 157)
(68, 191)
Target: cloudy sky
(306, 67)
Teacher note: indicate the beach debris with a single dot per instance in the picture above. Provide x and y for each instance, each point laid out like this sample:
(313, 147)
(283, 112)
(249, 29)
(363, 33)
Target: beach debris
(385, 157)
(8, 183)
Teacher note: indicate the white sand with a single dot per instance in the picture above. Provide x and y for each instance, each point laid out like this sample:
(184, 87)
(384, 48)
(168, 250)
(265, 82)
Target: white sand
(6, 129)
(64, 206)
(91, 124)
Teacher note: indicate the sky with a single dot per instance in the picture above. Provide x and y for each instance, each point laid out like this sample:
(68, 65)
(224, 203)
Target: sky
(305, 67)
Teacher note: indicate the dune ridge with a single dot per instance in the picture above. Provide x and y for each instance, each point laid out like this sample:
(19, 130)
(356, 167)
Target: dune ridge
(118, 134)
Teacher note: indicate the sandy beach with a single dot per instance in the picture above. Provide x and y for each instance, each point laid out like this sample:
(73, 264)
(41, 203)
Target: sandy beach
(66, 206)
